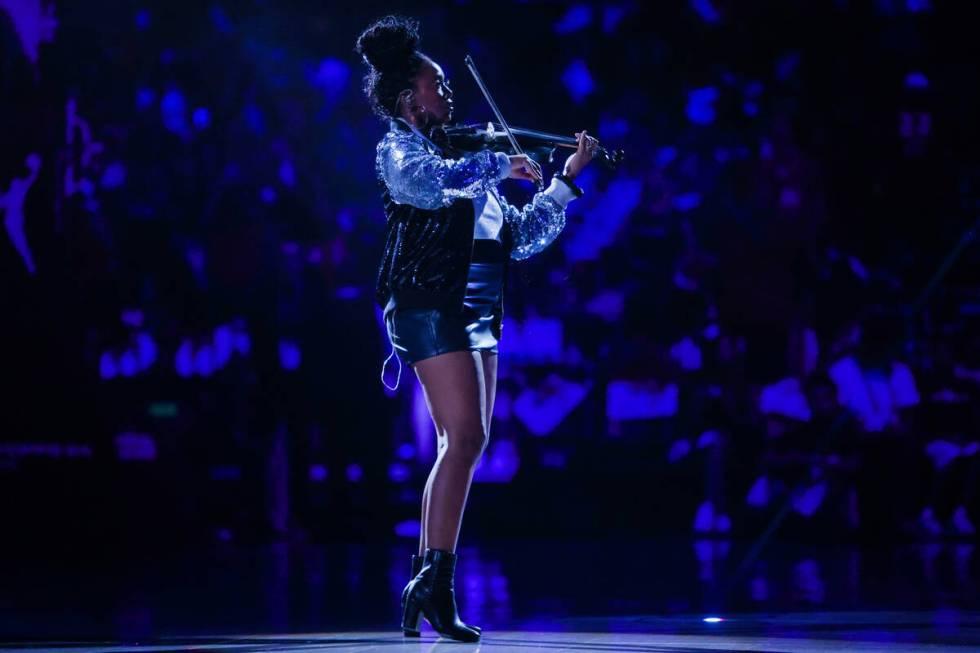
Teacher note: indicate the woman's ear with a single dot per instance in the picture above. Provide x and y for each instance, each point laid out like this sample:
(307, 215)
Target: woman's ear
(405, 97)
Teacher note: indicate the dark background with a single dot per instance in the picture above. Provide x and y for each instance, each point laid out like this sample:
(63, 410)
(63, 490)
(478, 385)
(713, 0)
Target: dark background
(196, 354)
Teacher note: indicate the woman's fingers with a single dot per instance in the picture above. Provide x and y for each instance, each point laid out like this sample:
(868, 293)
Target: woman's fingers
(584, 151)
(517, 166)
(531, 168)
(519, 169)
(535, 168)
(524, 167)
(586, 144)
(524, 174)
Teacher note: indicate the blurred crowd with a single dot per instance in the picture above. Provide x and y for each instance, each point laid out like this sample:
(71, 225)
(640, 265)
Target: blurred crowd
(753, 308)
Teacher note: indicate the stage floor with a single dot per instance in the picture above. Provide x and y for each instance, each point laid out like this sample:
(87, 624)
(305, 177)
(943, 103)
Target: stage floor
(672, 594)
(895, 632)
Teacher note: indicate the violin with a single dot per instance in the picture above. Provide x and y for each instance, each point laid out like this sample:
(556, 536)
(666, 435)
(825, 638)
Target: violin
(501, 137)
(537, 144)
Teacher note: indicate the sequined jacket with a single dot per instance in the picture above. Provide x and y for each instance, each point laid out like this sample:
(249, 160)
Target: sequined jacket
(430, 215)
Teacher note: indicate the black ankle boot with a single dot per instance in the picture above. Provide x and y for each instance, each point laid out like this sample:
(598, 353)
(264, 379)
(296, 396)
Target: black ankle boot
(416, 567)
(431, 594)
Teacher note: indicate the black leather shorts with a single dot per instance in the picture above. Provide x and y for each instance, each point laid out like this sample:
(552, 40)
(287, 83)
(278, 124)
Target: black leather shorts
(420, 333)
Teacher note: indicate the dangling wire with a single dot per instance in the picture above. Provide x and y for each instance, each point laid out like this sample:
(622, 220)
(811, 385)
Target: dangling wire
(398, 378)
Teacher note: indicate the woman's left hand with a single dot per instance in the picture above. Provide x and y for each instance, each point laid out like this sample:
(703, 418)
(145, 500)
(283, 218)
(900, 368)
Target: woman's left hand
(581, 157)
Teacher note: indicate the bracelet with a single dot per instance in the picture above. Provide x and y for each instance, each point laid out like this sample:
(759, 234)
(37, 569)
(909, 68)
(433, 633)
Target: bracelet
(571, 184)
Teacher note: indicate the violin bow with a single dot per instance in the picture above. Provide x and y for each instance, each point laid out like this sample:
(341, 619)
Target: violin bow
(468, 60)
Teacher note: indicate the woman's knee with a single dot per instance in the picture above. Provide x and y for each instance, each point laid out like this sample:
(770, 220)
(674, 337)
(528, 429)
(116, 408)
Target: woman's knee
(466, 443)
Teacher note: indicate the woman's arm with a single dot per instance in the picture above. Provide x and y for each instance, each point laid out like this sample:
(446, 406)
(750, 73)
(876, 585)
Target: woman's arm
(416, 177)
(536, 226)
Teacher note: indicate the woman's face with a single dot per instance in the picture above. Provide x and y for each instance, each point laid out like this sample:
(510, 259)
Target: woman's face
(433, 93)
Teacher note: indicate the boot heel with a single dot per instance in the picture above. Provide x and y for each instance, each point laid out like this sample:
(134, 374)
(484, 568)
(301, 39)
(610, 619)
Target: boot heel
(416, 567)
(411, 619)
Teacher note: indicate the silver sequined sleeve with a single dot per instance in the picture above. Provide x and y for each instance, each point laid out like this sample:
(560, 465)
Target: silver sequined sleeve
(417, 177)
(540, 221)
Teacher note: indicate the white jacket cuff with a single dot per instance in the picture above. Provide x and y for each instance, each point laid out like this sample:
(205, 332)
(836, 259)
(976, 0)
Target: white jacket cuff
(560, 192)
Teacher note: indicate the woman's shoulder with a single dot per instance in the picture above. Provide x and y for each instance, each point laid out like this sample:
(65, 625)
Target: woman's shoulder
(398, 138)
(394, 146)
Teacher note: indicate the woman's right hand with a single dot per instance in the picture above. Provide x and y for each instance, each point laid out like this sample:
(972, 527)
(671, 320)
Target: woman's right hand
(524, 167)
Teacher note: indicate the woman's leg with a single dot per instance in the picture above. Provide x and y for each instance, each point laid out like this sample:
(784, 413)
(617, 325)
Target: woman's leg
(423, 542)
(455, 392)
(490, 386)
(490, 383)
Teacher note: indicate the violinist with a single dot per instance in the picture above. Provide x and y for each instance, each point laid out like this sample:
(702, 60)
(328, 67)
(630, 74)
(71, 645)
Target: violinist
(450, 235)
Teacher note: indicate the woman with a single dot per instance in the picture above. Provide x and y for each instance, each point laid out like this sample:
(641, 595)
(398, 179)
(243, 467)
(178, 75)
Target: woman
(441, 283)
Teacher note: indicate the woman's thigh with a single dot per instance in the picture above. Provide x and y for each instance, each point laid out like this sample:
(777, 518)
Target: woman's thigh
(489, 383)
(454, 386)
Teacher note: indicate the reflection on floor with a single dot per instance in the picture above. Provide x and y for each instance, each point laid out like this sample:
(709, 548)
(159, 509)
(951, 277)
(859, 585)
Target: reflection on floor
(811, 633)
(664, 595)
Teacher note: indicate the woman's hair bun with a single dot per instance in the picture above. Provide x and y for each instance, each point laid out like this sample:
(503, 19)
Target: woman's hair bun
(388, 42)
